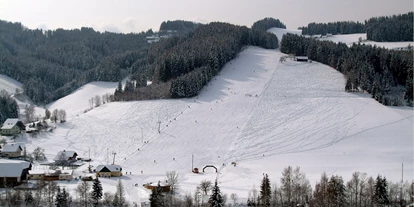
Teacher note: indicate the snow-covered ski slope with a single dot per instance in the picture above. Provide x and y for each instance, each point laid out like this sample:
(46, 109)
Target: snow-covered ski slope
(261, 114)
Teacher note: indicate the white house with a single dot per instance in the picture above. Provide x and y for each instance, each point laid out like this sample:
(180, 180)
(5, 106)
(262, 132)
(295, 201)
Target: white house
(10, 127)
(13, 172)
(12, 150)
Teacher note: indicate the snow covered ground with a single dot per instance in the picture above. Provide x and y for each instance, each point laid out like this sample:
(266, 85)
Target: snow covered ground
(349, 39)
(261, 114)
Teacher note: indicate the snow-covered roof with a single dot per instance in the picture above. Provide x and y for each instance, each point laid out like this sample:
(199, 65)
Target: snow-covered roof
(112, 168)
(66, 155)
(12, 147)
(162, 183)
(9, 123)
(12, 168)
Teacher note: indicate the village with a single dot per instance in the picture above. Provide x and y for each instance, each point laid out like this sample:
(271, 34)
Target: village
(17, 166)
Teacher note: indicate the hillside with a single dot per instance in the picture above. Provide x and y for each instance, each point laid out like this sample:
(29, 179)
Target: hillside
(260, 113)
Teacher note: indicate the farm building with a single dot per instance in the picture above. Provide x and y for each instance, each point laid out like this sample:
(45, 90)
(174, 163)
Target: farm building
(302, 58)
(50, 175)
(165, 186)
(65, 157)
(108, 171)
(12, 150)
(13, 172)
(11, 127)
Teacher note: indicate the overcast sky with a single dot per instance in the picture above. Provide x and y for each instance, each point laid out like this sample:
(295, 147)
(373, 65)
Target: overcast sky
(139, 15)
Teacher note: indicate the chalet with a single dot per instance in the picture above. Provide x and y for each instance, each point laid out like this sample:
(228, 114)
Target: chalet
(13, 172)
(65, 157)
(302, 58)
(108, 171)
(12, 150)
(11, 127)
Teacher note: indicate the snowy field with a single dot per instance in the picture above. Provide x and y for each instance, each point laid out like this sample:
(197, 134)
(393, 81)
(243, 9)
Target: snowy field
(261, 114)
(349, 39)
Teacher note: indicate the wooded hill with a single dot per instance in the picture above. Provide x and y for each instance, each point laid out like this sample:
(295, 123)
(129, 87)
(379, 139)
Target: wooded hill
(394, 28)
(183, 65)
(52, 64)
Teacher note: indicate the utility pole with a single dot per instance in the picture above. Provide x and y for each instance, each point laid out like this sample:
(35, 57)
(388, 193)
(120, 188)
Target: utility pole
(159, 125)
(402, 183)
(192, 162)
(114, 153)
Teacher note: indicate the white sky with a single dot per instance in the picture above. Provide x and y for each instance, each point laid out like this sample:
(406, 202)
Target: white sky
(139, 15)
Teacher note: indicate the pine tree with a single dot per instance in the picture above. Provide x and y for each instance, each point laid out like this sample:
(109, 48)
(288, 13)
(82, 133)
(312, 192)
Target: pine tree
(28, 198)
(348, 85)
(216, 200)
(61, 198)
(336, 191)
(156, 197)
(96, 194)
(265, 191)
(381, 191)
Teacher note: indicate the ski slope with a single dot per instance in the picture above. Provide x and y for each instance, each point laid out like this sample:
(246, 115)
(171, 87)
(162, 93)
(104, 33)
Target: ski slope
(261, 114)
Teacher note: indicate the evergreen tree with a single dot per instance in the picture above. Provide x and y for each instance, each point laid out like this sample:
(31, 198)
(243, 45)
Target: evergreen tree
(216, 200)
(265, 191)
(156, 197)
(28, 198)
(61, 198)
(337, 191)
(96, 194)
(381, 191)
(348, 85)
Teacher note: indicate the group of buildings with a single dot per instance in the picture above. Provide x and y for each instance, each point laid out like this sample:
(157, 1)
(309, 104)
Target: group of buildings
(15, 169)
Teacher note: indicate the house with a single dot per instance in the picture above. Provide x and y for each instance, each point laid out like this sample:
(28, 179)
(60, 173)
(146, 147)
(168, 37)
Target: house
(13, 172)
(11, 127)
(302, 58)
(65, 157)
(108, 171)
(12, 150)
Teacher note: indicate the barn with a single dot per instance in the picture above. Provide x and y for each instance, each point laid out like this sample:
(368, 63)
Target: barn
(302, 58)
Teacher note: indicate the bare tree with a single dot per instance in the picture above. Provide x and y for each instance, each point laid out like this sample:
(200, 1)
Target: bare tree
(62, 115)
(97, 101)
(205, 186)
(29, 113)
(38, 153)
(233, 197)
(172, 179)
(55, 115)
(83, 190)
(50, 190)
(108, 198)
(355, 188)
(120, 193)
(188, 200)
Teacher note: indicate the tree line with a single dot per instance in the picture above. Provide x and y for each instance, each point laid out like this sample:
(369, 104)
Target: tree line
(386, 74)
(340, 27)
(362, 190)
(395, 28)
